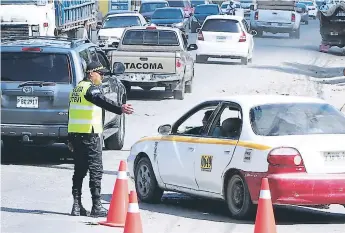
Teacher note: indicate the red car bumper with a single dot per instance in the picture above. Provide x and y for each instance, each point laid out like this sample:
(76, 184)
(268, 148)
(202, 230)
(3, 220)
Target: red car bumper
(301, 188)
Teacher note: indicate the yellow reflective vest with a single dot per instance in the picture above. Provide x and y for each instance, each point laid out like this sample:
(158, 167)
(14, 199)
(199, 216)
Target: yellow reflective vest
(83, 116)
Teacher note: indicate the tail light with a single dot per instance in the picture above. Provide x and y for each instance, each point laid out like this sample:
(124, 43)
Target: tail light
(45, 25)
(256, 15)
(178, 63)
(200, 36)
(243, 37)
(31, 49)
(293, 17)
(285, 160)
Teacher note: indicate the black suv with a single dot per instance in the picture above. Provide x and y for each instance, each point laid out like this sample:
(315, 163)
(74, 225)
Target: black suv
(37, 76)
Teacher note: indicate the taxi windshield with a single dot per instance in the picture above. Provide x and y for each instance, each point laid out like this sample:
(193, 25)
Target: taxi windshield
(296, 119)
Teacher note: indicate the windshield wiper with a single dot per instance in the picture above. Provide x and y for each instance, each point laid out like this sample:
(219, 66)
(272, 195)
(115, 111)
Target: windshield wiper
(36, 83)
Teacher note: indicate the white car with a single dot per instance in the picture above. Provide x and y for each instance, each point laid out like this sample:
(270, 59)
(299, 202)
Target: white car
(225, 36)
(223, 147)
(312, 8)
(114, 25)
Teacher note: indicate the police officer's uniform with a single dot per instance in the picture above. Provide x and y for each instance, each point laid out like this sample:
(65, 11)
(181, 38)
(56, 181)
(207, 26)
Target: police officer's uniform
(84, 128)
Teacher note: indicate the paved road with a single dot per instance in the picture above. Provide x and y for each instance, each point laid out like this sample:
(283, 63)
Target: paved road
(36, 194)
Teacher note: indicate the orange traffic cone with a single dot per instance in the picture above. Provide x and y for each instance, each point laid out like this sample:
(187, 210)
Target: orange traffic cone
(265, 222)
(133, 219)
(119, 200)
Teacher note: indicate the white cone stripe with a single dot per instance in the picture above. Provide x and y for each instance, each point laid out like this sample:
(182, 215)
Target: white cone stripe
(133, 208)
(122, 175)
(265, 194)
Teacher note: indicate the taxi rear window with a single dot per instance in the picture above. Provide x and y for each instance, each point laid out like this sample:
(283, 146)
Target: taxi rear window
(296, 119)
(30, 66)
(154, 37)
(221, 25)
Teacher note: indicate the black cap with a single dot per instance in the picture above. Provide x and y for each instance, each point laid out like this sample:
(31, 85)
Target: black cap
(96, 67)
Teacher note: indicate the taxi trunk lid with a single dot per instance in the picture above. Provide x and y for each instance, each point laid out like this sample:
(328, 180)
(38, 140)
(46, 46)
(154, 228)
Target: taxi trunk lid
(35, 88)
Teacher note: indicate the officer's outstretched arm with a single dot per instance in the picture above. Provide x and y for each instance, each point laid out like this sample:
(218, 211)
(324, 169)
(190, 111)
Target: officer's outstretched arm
(95, 96)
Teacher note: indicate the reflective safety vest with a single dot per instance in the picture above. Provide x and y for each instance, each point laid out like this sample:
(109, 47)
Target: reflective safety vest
(83, 115)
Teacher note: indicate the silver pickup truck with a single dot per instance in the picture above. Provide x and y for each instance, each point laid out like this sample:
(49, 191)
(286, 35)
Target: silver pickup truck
(155, 57)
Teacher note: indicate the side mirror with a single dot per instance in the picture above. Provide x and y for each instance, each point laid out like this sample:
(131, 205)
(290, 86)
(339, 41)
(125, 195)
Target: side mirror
(192, 47)
(198, 30)
(118, 68)
(164, 129)
(136, 10)
(251, 7)
(115, 44)
(253, 32)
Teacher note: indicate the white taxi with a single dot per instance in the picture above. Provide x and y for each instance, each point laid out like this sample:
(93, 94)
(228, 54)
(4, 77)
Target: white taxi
(223, 147)
(224, 36)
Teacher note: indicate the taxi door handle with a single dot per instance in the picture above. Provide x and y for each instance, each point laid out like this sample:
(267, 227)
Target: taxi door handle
(191, 149)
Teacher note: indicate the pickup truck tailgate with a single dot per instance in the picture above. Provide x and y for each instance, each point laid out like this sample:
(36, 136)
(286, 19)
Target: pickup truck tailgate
(274, 16)
(146, 62)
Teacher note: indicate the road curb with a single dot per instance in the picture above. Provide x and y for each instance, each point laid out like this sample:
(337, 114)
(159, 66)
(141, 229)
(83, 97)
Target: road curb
(334, 80)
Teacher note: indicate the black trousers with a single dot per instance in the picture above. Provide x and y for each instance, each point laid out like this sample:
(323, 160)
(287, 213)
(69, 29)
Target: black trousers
(87, 151)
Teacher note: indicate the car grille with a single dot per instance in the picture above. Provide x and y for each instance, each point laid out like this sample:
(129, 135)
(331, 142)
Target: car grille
(14, 30)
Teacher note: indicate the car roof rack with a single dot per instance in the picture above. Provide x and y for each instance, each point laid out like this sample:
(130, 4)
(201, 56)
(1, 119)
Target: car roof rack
(74, 41)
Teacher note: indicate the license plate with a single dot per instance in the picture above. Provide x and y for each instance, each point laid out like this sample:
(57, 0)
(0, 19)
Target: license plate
(141, 77)
(221, 38)
(274, 24)
(334, 156)
(27, 102)
(334, 33)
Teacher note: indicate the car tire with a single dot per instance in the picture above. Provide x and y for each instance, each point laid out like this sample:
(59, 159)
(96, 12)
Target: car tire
(201, 59)
(237, 189)
(244, 60)
(178, 94)
(116, 141)
(144, 174)
(259, 33)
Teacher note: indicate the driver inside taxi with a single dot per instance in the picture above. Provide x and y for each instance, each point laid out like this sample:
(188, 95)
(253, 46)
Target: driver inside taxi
(198, 130)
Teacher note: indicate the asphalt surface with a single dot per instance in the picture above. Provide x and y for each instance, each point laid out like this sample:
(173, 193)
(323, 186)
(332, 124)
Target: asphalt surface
(36, 189)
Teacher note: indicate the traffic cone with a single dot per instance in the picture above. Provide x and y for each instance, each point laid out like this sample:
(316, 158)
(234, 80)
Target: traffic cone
(119, 200)
(265, 222)
(133, 219)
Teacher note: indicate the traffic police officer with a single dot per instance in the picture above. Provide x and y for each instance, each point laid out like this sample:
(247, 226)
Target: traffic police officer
(85, 125)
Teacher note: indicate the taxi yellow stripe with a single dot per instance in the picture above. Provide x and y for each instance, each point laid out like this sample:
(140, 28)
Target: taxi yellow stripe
(206, 141)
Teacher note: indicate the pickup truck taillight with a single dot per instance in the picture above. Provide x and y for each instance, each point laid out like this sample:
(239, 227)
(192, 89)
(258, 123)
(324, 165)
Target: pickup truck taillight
(200, 36)
(285, 160)
(256, 15)
(243, 37)
(293, 17)
(178, 63)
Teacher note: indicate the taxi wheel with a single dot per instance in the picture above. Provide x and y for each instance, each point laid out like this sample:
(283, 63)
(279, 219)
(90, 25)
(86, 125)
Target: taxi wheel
(238, 197)
(146, 182)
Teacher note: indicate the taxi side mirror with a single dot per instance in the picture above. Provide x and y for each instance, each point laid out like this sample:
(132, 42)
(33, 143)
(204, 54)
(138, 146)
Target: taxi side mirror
(118, 68)
(164, 129)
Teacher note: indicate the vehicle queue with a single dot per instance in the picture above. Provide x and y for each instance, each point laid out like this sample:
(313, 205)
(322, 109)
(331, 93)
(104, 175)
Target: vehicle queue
(154, 47)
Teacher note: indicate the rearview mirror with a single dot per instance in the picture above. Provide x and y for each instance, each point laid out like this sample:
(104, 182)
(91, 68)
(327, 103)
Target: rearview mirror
(192, 47)
(164, 129)
(118, 68)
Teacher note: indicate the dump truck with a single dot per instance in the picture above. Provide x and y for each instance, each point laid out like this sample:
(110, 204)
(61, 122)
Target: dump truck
(45, 17)
(332, 26)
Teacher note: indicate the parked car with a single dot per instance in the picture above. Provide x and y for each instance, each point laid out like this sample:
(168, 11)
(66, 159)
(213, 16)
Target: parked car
(114, 25)
(303, 10)
(147, 8)
(200, 14)
(225, 36)
(37, 76)
(185, 5)
(171, 17)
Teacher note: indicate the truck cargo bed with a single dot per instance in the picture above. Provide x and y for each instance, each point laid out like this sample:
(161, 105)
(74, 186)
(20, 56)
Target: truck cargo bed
(72, 13)
(276, 5)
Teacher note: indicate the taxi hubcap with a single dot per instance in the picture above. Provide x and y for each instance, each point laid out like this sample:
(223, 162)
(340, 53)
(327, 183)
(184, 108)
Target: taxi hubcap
(144, 180)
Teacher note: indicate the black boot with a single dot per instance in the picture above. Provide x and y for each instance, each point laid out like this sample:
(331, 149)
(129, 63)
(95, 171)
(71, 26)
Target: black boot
(97, 208)
(78, 209)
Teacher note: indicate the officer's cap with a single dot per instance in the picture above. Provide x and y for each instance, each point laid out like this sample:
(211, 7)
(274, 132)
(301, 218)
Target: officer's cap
(96, 67)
